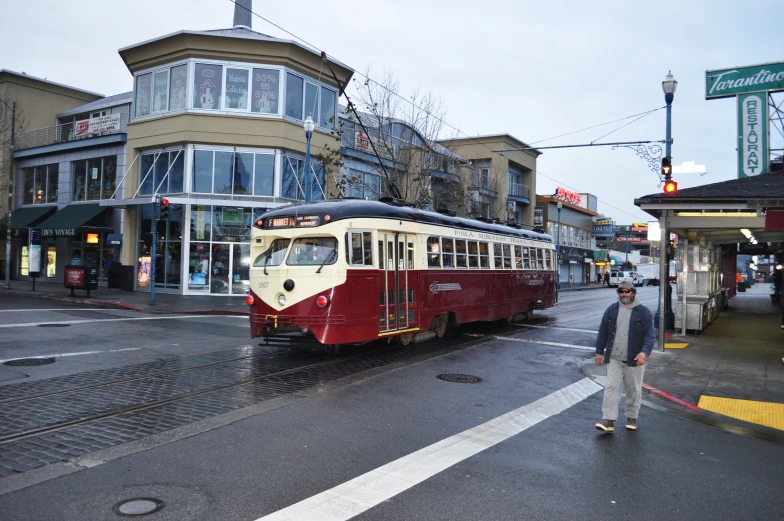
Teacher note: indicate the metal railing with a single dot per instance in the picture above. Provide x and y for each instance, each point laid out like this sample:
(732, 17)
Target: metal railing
(60, 134)
(520, 190)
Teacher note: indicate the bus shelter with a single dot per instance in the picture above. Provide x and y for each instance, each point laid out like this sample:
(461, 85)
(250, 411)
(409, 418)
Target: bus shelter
(714, 223)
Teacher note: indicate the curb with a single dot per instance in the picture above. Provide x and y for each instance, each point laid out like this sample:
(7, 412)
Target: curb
(583, 289)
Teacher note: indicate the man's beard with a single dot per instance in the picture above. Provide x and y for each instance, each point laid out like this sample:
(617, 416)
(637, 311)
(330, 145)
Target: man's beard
(626, 299)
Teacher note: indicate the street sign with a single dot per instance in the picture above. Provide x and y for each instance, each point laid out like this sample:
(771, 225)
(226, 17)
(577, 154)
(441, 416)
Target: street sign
(34, 255)
(726, 83)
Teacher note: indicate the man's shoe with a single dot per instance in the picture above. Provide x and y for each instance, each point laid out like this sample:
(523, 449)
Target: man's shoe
(606, 425)
(631, 424)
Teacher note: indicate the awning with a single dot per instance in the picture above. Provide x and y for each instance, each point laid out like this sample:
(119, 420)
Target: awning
(600, 255)
(24, 217)
(67, 221)
(617, 261)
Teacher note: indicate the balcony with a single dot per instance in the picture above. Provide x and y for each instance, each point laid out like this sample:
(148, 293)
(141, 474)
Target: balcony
(76, 133)
(520, 193)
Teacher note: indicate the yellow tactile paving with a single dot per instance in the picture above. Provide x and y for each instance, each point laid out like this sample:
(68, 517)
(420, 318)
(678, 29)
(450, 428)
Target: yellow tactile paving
(674, 345)
(769, 414)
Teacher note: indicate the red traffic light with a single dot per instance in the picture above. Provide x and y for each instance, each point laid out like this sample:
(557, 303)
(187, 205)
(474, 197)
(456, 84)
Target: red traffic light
(164, 202)
(670, 187)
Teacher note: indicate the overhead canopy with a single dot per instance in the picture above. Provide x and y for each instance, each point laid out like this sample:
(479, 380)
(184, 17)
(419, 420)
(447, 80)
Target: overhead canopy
(600, 255)
(67, 221)
(24, 217)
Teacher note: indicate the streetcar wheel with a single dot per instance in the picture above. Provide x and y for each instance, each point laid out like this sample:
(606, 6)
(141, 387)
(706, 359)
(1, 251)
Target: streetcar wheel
(441, 328)
(405, 339)
(529, 314)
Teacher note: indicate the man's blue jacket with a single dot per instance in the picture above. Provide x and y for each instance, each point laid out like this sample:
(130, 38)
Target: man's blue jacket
(642, 336)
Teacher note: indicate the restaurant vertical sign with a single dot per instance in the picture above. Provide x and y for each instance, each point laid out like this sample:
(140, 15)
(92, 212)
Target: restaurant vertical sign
(752, 134)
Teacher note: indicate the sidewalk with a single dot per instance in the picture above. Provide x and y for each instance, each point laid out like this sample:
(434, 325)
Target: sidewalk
(566, 286)
(734, 368)
(135, 301)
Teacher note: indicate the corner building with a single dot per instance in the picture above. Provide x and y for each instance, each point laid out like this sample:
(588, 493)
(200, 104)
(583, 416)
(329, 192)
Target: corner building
(217, 129)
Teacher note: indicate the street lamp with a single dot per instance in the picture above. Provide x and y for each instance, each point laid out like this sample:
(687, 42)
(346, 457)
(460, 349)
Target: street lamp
(558, 248)
(309, 125)
(8, 211)
(626, 266)
(669, 85)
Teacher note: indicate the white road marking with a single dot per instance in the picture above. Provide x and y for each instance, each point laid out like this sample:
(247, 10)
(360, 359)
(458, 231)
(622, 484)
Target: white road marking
(52, 309)
(555, 327)
(72, 354)
(530, 341)
(368, 490)
(177, 317)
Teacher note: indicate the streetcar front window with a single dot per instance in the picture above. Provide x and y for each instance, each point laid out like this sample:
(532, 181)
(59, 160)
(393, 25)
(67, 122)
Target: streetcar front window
(313, 251)
(274, 255)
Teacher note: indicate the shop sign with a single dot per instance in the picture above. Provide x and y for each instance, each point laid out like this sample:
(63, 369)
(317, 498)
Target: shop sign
(34, 254)
(602, 227)
(566, 195)
(361, 141)
(753, 135)
(724, 83)
(631, 239)
(74, 277)
(98, 125)
(59, 232)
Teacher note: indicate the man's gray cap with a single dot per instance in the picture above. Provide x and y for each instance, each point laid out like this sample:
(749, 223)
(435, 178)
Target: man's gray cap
(626, 285)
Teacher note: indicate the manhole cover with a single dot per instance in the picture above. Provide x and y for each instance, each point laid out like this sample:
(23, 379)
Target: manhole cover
(139, 506)
(459, 378)
(54, 325)
(27, 362)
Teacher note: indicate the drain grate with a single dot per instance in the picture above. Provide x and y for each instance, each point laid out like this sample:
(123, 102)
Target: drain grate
(28, 362)
(139, 506)
(54, 325)
(459, 378)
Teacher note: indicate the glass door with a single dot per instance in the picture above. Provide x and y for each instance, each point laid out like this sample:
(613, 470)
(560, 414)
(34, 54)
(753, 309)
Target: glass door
(240, 269)
(220, 268)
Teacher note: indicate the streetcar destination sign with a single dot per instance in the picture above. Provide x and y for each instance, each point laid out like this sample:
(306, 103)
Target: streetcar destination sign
(299, 221)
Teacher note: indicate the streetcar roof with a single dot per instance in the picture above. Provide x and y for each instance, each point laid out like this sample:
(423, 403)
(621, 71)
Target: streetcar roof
(339, 209)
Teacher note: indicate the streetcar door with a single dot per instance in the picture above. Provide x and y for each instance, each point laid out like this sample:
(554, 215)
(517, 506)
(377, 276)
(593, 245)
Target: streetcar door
(396, 260)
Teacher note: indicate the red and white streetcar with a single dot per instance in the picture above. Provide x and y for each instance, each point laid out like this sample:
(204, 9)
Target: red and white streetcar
(352, 271)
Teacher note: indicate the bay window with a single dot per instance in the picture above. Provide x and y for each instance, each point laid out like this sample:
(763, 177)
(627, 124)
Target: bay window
(207, 86)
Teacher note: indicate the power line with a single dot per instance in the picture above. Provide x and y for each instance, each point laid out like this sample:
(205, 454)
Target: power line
(596, 126)
(442, 121)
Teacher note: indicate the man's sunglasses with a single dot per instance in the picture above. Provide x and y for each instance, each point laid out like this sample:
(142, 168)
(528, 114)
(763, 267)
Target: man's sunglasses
(621, 291)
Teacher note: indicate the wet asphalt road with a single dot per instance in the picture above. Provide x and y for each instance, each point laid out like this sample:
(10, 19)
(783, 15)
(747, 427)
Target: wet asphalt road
(560, 468)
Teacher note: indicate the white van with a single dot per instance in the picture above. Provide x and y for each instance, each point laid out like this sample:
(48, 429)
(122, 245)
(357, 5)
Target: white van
(616, 277)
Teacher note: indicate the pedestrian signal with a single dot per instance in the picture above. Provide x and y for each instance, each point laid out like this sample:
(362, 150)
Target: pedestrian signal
(164, 213)
(666, 168)
(670, 187)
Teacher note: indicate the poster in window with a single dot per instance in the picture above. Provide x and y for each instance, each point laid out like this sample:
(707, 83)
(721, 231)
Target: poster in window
(179, 78)
(237, 88)
(265, 91)
(207, 84)
(160, 91)
(143, 94)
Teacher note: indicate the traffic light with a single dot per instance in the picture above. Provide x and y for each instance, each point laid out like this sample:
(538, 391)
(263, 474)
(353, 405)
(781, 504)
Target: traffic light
(666, 168)
(670, 187)
(163, 215)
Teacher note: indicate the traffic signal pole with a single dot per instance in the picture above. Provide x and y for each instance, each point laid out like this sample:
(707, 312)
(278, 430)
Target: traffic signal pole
(155, 216)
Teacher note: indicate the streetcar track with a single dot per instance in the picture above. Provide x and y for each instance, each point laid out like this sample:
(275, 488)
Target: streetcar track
(181, 397)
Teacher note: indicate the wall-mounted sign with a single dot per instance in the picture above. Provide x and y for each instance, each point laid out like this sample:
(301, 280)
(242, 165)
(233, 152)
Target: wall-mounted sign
(566, 195)
(58, 232)
(98, 125)
(631, 239)
(752, 134)
(602, 227)
(361, 141)
(725, 83)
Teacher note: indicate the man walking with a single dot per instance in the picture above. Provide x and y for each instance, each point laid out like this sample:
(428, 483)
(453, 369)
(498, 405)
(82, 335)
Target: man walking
(626, 338)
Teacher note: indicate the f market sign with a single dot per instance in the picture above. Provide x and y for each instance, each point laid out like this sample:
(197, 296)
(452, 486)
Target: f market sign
(726, 83)
(59, 232)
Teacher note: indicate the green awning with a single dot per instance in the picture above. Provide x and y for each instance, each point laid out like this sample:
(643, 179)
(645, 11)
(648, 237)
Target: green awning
(67, 221)
(599, 256)
(24, 217)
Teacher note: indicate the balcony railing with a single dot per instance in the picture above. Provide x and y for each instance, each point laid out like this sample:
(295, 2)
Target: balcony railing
(61, 134)
(520, 190)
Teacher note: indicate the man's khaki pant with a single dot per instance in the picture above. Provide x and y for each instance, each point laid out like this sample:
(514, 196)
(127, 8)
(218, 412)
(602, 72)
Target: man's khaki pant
(631, 378)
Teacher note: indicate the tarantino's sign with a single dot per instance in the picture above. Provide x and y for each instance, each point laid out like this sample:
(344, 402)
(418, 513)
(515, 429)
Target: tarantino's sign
(725, 83)
(752, 134)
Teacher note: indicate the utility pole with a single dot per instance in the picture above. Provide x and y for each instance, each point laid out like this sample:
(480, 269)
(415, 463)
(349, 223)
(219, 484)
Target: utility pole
(10, 184)
(155, 215)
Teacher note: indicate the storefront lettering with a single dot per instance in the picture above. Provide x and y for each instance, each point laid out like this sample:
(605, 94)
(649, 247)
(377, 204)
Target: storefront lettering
(566, 195)
(59, 232)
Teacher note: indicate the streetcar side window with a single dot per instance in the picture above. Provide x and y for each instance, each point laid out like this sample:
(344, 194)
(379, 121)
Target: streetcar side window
(526, 258)
(473, 255)
(411, 256)
(381, 255)
(433, 252)
(460, 248)
(497, 261)
(540, 258)
(359, 248)
(547, 260)
(507, 250)
(448, 255)
(484, 255)
(274, 255)
(518, 251)
(313, 251)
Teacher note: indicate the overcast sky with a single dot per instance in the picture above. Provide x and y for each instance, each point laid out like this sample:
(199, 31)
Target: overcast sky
(533, 69)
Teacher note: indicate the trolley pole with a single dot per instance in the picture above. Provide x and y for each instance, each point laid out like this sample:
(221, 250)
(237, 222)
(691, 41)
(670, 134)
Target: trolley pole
(155, 215)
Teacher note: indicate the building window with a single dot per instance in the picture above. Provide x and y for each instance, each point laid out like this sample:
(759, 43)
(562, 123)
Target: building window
(168, 253)
(94, 179)
(207, 86)
(233, 173)
(327, 113)
(40, 184)
(153, 172)
(304, 98)
(363, 185)
(143, 94)
(295, 184)
(484, 178)
(160, 91)
(178, 87)
(266, 91)
(294, 85)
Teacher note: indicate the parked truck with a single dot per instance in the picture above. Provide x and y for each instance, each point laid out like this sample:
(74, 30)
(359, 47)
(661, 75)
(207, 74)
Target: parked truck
(649, 273)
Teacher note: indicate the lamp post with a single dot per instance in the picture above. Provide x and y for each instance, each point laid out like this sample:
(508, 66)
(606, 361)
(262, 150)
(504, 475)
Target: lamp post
(309, 125)
(669, 85)
(8, 212)
(558, 248)
(626, 265)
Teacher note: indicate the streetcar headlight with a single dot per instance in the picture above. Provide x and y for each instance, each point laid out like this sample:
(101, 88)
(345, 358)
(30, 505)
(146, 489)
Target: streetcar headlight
(281, 300)
(322, 301)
